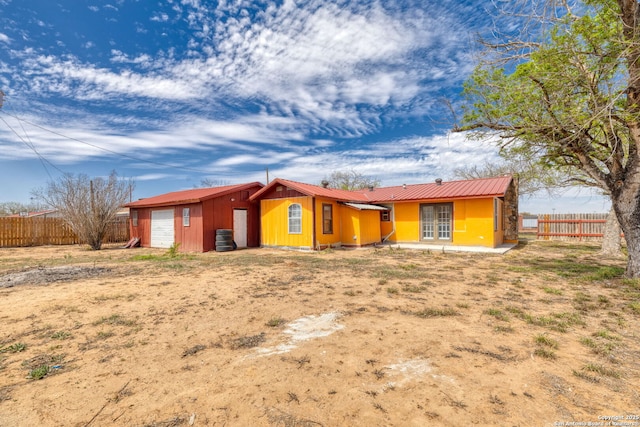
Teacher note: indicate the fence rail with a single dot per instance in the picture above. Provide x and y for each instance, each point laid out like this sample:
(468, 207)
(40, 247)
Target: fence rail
(19, 232)
(581, 227)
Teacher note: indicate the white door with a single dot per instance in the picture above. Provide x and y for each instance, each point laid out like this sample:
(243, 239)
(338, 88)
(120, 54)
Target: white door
(240, 227)
(162, 228)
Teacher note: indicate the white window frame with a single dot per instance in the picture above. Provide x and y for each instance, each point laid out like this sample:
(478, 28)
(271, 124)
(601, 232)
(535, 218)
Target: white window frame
(186, 217)
(134, 218)
(294, 216)
(438, 225)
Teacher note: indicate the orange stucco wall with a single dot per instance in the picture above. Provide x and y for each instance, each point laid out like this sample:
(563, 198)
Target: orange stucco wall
(329, 239)
(473, 223)
(275, 222)
(347, 223)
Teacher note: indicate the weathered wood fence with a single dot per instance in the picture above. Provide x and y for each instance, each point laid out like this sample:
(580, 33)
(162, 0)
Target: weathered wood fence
(19, 232)
(580, 227)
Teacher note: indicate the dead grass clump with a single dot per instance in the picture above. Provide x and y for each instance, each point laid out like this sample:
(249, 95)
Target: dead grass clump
(278, 418)
(115, 320)
(497, 356)
(248, 341)
(435, 312)
(193, 350)
(171, 422)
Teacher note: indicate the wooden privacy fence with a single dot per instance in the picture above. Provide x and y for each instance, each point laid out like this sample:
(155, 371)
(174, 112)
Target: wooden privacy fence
(18, 232)
(582, 227)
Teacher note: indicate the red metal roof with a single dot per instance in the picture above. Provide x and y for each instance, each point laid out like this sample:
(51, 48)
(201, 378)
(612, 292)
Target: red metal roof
(467, 189)
(447, 190)
(32, 214)
(190, 196)
(313, 190)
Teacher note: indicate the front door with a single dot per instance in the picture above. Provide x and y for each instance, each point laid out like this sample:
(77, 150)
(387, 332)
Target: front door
(436, 222)
(240, 227)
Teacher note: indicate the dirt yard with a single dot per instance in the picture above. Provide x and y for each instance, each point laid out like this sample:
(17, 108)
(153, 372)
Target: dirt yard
(546, 334)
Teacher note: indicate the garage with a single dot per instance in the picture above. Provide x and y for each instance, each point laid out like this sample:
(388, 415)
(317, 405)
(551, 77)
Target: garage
(162, 228)
(190, 219)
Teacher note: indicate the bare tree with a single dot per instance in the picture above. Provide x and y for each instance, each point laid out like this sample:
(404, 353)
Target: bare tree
(350, 180)
(533, 177)
(87, 205)
(10, 208)
(208, 182)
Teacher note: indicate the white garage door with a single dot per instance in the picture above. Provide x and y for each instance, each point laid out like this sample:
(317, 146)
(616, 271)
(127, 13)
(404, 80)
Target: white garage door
(162, 228)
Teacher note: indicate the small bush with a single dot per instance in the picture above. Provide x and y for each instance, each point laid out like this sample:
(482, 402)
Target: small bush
(275, 322)
(39, 372)
(546, 353)
(546, 341)
(498, 314)
(14, 348)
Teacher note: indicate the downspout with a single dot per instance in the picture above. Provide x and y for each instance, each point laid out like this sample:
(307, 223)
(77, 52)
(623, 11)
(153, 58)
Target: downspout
(393, 222)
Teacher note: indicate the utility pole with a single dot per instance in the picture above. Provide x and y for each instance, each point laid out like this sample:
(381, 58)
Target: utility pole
(1, 98)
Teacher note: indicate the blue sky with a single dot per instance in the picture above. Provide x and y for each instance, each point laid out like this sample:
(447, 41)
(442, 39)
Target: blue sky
(172, 92)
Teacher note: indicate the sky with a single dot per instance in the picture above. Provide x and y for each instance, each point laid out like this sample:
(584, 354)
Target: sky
(173, 92)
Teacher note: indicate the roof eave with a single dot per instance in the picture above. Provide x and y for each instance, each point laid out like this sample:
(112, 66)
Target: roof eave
(435, 199)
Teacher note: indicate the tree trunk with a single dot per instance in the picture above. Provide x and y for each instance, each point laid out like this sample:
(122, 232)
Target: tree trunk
(633, 263)
(628, 213)
(611, 241)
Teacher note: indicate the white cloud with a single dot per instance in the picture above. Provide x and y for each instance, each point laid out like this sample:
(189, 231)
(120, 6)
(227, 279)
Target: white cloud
(162, 17)
(338, 67)
(151, 177)
(4, 38)
(71, 142)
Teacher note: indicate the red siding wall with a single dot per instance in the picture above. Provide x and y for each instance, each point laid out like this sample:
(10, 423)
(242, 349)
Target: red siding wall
(285, 192)
(143, 230)
(219, 214)
(205, 218)
(190, 237)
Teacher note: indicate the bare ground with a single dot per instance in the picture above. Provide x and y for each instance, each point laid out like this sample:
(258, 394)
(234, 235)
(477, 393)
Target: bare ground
(546, 333)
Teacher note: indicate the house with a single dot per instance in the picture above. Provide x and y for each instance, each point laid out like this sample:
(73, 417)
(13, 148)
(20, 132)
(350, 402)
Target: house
(480, 212)
(298, 215)
(49, 213)
(191, 218)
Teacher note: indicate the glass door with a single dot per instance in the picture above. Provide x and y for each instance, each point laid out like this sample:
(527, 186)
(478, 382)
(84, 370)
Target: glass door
(435, 221)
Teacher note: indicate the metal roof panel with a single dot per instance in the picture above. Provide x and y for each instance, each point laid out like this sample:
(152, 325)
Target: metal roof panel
(190, 196)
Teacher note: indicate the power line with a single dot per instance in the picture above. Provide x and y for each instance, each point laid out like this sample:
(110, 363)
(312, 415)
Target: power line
(137, 159)
(30, 143)
(33, 148)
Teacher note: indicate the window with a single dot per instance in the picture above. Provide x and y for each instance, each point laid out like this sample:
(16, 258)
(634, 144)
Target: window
(385, 216)
(327, 219)
(134, 218)
(185, 217)
(497, 214)
(435, 221)
(295, 219)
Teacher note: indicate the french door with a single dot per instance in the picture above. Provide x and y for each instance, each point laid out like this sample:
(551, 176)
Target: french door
(436, 221)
